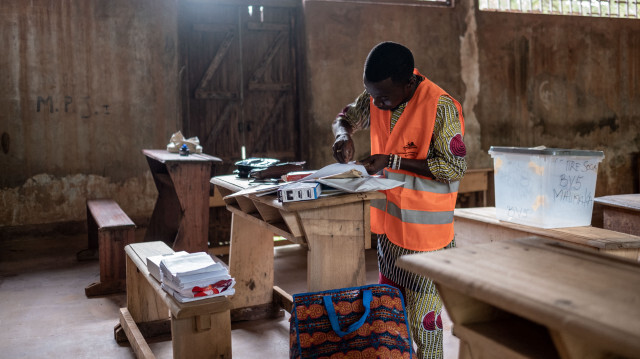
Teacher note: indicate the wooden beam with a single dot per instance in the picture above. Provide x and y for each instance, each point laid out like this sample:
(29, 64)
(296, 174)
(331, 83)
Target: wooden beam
(254, 86)
(137, 341)
(214, 27)
(266, 26)
(282, 299)
(202, 94)
(217, 59)
(268, 57)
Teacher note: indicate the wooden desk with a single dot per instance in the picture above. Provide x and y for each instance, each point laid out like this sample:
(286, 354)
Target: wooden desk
(480, 225)
(535, 298)
(475, 180)
(621, 212)
(335, 230)
(198, 329)
(181, 215)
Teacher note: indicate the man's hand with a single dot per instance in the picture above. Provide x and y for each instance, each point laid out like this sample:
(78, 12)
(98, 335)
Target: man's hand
(343, 148)
(375, 163)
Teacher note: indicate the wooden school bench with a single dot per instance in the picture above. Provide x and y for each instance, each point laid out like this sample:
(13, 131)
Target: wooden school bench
(198, 329)
(620, 212)
(475, 181)
(109, 231)
(535, 298)
(480, 225)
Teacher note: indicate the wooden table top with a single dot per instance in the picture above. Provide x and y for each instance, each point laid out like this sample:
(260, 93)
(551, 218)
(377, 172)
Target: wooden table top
(166, 156)
(592, 236)
(625, 201)
(593, 296)
(235, 184)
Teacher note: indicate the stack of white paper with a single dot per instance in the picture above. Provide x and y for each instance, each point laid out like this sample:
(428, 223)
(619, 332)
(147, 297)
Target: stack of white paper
(153, 263)
(194, 276)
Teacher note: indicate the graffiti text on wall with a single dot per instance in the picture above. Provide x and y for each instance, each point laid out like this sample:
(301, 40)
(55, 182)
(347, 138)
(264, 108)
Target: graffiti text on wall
(85, 105)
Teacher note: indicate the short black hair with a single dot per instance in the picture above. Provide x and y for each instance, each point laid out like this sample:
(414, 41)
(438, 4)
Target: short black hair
(389, 59)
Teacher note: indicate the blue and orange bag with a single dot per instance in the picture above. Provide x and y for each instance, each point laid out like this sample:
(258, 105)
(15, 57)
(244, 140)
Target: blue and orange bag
(360, 322)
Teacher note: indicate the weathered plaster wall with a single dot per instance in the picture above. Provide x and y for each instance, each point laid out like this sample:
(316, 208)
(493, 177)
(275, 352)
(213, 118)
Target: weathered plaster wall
(339, 37)
(523, 80)
(563, 81)
(85, 85)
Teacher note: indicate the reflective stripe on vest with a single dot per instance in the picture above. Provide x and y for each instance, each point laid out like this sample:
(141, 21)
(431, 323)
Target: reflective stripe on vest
(422, 190)
(419, 217)
(423, 184)
(380, 204)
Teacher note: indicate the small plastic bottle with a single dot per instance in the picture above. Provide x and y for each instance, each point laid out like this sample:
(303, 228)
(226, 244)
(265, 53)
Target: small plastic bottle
(184, 150)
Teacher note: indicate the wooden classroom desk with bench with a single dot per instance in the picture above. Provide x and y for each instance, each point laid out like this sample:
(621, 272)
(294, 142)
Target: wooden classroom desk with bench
(535, 298)
(334, 229)
(480, 225)
(620, 212)
(197, 329)
(181, 214)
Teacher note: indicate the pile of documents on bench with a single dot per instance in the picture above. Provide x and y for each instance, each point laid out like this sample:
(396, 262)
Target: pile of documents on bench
(191, 276)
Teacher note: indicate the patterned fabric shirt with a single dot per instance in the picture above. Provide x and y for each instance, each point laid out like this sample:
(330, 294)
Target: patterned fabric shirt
(446, 158)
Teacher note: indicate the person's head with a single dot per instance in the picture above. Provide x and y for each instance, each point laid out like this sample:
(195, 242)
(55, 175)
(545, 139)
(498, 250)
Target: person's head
(388, 75)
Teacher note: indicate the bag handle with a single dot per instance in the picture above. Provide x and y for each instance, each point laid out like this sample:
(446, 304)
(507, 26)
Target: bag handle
(333, 318)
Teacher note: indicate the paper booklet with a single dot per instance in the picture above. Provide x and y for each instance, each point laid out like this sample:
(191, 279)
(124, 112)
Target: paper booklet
(184, 281)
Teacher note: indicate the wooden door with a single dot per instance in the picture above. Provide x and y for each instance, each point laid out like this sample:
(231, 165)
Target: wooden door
(239, 79)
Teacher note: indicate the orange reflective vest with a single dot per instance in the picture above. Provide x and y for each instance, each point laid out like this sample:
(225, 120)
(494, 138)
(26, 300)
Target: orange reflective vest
(418, 215)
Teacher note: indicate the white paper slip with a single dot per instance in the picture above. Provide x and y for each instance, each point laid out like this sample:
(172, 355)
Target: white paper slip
(219, 283)
(202, 279)
(153, 263)
(193, 263)
(191, 279)
(363, 184)
(182, 299)
(189, 296)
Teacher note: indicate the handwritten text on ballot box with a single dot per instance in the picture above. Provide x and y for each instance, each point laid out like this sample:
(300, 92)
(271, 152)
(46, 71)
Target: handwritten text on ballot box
(545, 187)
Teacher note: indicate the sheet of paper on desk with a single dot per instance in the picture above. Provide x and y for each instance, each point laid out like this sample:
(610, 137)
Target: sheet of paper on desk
(351, 177)
(364, 184)
(261, 189)
(339, 170)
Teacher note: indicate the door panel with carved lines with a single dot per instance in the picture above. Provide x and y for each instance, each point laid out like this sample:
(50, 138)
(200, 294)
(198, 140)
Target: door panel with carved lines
(239, 80)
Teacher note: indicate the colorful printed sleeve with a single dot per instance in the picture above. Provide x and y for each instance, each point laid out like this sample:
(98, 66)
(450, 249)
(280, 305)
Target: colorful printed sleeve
(446, 159)
(357, 112)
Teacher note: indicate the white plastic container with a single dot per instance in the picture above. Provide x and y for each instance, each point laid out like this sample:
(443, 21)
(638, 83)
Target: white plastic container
(545, 187)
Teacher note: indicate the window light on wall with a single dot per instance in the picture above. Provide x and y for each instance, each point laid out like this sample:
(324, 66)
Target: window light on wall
(595, 8)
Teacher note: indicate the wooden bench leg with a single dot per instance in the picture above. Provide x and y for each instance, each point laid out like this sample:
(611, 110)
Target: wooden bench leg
(138, 343)
(148, 311)
(251, 264)
(112, 262)
(91, 253)
(209, 333)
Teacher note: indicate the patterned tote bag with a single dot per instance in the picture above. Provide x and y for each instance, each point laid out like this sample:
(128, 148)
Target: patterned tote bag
(359, 322)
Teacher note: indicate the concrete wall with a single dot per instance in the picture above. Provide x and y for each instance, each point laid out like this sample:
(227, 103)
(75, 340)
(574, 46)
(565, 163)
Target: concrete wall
(85, 85)
(523, 80)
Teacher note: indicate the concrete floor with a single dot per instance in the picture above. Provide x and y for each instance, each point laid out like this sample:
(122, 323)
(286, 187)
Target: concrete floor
(45, 313)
